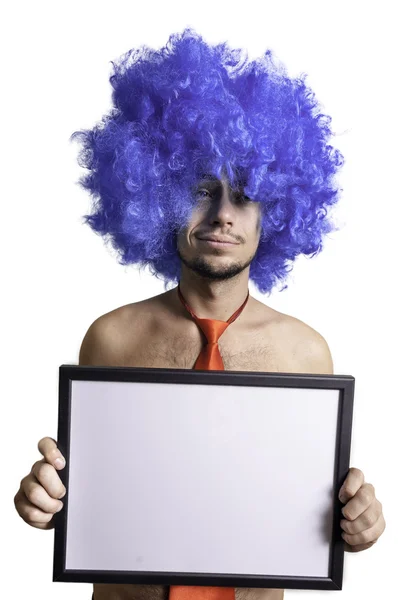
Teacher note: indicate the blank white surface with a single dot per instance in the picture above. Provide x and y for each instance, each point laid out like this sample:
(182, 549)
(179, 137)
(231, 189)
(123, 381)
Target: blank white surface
(201, 478)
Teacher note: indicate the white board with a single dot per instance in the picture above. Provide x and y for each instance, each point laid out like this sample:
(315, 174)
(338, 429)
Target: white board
(200, 478)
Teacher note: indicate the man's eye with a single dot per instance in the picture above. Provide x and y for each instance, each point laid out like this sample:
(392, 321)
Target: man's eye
(241, 198)
(202, 192)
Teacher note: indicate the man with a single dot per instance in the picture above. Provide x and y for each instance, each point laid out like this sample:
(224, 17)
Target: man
(239, 221)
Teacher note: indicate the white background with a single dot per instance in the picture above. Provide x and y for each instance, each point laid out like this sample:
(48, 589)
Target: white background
(58, 276)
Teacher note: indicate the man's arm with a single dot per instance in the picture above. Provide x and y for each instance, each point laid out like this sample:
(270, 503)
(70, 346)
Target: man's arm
(307, 348)
(102, 344)
(362, 520)
(318, 355)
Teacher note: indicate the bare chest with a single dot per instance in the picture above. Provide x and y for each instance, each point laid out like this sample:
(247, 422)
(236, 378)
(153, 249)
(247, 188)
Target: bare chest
(175, 350)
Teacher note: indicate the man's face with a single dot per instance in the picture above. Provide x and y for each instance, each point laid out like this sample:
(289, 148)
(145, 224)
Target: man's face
(222, 214)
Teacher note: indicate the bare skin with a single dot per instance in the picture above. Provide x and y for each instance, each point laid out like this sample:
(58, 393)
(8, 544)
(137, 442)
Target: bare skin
(159, 332)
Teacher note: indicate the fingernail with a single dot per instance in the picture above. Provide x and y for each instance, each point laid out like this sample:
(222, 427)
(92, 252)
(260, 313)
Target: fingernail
(60, 507)
(60, 463)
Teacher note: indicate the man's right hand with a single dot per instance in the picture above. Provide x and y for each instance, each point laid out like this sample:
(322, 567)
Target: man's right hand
(38, 497)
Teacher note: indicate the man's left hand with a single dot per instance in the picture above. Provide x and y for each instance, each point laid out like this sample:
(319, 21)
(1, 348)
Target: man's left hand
(363, 521)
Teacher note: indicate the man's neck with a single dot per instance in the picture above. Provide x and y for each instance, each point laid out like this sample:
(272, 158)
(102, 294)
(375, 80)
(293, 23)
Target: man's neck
(213, 299)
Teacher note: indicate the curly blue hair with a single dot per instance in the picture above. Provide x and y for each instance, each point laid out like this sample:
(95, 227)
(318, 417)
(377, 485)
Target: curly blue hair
(191, 109)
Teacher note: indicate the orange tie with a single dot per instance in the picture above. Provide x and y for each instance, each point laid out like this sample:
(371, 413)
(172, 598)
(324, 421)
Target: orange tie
(210, 359)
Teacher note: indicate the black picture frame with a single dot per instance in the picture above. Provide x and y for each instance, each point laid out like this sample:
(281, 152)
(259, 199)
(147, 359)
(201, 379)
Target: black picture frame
(343, 384)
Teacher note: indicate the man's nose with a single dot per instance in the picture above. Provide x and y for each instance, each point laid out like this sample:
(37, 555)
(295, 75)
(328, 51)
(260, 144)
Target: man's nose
(222, 207)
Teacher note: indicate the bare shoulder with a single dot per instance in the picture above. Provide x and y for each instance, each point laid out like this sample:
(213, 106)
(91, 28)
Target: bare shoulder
(307, 349)
(104, 343)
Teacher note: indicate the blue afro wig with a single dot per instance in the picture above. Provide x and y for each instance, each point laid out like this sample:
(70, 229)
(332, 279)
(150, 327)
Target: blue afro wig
(191, 109)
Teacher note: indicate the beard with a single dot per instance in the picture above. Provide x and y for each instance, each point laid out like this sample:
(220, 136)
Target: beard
(204, 269)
